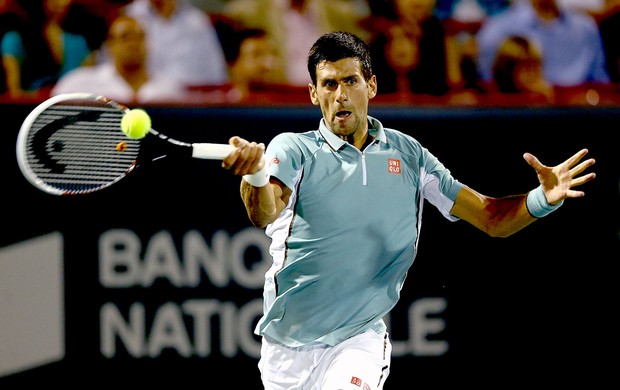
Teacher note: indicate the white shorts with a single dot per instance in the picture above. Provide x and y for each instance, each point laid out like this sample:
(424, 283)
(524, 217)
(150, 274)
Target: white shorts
(359, 363)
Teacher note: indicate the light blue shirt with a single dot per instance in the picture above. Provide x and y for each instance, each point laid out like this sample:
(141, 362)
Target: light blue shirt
(571, 45)
(343, 245)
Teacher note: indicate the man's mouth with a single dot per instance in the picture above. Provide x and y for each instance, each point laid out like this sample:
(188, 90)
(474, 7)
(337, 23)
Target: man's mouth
(343, 114)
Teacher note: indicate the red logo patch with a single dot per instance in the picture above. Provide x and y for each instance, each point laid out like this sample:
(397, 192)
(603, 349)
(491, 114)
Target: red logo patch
(356, 381)
(275, 160)
(394, 166)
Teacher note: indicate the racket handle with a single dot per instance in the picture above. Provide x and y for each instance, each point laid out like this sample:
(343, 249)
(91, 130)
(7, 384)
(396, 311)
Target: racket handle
(211, 151)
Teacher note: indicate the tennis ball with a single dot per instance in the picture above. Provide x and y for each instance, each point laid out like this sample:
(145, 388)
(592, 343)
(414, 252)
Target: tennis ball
(136, 123)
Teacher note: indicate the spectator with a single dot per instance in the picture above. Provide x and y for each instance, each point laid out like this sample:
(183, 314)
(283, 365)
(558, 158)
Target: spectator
(421, 38)
(10, 13)
(591, 7)
(570, 40)
(462, 20)
(91, 19)
(125, 76)
(182, 41)
(517, 70)
(609, 26)
(40, 50)
(401, 55)
(469, 10)
(296, 24)
(253, 62)
(462, 56)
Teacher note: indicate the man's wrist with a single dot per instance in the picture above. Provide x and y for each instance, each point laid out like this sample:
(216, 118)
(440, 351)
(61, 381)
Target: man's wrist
(258, 179)
(537, 204)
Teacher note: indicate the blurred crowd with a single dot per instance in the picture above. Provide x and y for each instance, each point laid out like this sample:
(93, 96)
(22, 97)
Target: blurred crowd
(448, 52)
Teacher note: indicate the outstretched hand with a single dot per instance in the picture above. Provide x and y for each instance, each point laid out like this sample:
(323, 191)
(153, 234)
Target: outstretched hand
(558, 181)
(247, 158)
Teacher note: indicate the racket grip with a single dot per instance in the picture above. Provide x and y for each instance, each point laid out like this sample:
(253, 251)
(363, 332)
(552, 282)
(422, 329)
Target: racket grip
(211, 151)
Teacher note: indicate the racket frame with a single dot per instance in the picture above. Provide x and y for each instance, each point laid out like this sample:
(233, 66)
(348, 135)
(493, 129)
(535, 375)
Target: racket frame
(212, 151)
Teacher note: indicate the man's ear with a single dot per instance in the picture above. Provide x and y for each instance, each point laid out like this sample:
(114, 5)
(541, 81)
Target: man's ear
(313, 96)
(372, 87)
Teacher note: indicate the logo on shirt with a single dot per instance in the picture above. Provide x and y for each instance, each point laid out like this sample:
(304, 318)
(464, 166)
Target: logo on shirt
(394, 166)
(275, 161)
(356, 381)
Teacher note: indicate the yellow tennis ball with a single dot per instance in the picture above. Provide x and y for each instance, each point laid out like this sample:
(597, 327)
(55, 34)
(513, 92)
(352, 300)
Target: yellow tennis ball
(136, 123)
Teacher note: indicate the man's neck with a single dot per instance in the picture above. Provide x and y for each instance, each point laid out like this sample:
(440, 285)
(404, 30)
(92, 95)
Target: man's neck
(359, 139)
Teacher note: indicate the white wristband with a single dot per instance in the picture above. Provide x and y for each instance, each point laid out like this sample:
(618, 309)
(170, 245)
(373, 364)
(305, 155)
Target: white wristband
(260, 178)
(537, 204)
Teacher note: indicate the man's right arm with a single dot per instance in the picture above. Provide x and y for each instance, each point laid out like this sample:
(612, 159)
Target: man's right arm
(264, 204)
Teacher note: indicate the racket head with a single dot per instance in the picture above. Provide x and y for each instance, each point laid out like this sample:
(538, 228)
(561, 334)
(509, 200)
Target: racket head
(72, 144)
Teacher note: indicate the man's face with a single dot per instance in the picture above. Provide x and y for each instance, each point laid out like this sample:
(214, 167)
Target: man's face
(401, 51)
(126, 42)
(414, 11)
(258, 61)
(342, 93)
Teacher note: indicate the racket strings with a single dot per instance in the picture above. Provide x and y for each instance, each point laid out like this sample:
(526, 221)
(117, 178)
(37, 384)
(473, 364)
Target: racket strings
(78, 147)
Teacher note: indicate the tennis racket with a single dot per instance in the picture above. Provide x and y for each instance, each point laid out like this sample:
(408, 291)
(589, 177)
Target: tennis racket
(72, 144)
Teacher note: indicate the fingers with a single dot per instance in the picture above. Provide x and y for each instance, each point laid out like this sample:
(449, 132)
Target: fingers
(575, 194)
(576, 157)
(246, 158)
(236, 141)
(582, 167)
(576, 170)
(582, 179)
(250, 158)
(559, 181)
(532, 161)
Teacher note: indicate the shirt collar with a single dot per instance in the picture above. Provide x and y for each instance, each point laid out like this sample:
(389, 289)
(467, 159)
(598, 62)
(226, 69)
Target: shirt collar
(375, 129)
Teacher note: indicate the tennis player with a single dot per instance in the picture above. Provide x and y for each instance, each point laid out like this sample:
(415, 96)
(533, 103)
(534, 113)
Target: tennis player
(342, 205)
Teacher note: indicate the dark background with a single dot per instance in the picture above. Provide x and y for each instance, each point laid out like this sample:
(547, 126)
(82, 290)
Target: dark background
(536, 308)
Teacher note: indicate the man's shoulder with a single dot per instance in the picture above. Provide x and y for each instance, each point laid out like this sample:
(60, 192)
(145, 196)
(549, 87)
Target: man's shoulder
(401, 140)
(11, 38)
(78, 76)
(296, 137)
(396, 133)
(516, 15)
(89, 70)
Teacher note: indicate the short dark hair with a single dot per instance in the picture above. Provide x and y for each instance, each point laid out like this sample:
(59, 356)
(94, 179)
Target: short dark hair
(337, 45)
(236, 39)
(513, 51)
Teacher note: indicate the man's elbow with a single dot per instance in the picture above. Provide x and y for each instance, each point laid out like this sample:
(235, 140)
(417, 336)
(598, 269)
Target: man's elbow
(261, 219)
